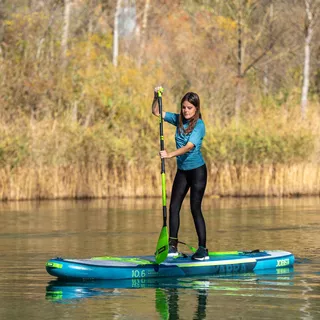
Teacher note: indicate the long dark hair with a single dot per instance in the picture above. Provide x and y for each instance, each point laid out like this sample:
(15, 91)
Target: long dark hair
(194, 99)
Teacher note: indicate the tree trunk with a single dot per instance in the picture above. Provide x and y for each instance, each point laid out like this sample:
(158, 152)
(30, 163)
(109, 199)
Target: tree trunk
(89, 49)
(2, 18)
(116, 34)
(307, 54)
(65, 33)
(238, 102)
(43, 38)
(240, 66)
(143, 31)
(266, 73)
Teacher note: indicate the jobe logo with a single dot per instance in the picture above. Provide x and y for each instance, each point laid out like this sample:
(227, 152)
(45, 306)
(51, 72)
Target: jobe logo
(282, 263)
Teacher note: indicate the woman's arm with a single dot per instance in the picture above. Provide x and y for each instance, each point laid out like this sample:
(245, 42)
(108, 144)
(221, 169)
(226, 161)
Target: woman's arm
(179, 152)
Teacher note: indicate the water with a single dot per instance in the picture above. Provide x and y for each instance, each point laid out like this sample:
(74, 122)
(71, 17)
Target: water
(33, 232)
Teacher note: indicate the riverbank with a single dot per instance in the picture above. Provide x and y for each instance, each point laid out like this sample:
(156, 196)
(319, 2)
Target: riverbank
(58, 159)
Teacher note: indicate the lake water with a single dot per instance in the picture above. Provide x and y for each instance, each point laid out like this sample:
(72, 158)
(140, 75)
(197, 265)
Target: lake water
(33, 232)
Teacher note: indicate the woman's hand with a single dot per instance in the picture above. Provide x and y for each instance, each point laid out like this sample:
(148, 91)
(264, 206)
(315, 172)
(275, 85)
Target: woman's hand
(155, 105)
(156, 89)
(164, 154)
(179, 152)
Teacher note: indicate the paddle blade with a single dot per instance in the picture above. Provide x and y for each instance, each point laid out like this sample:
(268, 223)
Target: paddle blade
(162, 245)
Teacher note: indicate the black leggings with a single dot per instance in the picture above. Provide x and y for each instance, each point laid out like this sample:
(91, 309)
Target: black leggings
(196, 181)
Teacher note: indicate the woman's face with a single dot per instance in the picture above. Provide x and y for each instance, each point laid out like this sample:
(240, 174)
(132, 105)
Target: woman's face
(188, 110)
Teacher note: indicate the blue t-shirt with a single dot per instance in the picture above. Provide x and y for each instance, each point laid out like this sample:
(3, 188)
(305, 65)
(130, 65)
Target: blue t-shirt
(192, 159)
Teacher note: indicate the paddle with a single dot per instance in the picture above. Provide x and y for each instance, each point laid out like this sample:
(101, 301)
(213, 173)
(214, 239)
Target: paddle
(163, 241)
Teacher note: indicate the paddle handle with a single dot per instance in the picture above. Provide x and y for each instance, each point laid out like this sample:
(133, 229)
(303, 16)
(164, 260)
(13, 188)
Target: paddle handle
(163, 169)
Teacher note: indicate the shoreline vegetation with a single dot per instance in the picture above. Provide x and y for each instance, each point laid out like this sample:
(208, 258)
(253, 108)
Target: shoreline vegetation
(53, 160)
(76, 86)
(227, 181)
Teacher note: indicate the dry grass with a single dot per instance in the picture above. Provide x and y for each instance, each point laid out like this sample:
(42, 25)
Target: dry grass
(99, 181)
(265, 155)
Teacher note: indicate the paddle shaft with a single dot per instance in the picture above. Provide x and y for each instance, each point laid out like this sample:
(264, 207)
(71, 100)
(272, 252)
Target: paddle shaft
(163, 170)
(162, 244)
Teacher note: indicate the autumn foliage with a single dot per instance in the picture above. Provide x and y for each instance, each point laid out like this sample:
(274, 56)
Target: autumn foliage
(80, 115)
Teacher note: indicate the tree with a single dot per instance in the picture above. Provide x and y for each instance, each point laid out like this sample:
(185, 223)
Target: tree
(252, 43)
(143, 31)
(266, 73)
(65, 33)
(2, 16)
(116, 34)
(311, 15)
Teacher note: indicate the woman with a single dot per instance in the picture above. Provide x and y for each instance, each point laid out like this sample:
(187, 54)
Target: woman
(192, 171)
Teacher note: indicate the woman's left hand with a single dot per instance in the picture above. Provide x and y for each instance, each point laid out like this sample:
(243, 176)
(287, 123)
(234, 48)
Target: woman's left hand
(164, 154)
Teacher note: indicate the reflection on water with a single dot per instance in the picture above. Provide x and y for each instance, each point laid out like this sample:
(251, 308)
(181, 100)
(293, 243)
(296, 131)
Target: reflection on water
(271, 283)
(60, 290)
(33, 232)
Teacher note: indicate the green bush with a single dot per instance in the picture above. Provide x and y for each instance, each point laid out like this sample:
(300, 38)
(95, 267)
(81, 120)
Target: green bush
(254, 145)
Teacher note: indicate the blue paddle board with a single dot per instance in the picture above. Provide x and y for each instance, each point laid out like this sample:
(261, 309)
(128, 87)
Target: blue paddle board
(139, 267)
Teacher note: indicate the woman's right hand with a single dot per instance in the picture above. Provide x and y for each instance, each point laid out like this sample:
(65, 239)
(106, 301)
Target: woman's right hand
(155, 105)
(156, 90)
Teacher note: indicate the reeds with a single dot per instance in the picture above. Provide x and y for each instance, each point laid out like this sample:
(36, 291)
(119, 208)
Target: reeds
(264, 180)
(59, 159)
(100, 181)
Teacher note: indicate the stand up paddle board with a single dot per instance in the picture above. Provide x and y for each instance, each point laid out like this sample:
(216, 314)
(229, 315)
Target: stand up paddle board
(116, 268)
